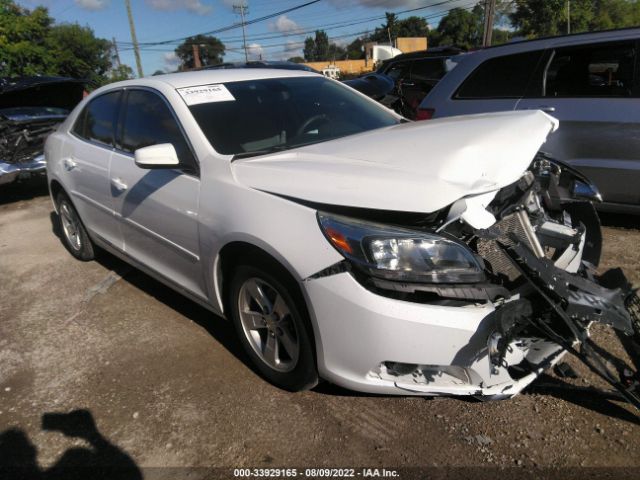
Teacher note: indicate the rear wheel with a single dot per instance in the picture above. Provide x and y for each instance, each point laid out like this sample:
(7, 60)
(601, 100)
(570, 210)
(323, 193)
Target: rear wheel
(74, 235)
(273, 327)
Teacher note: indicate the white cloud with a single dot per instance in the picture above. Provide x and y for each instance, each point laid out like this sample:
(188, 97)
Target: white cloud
(193, 6)
(255, 51)
(171, 61)
(93, 5)
(285, 25)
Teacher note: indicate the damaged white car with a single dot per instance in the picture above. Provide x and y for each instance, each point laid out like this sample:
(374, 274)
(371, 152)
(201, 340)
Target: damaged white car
(343, 242)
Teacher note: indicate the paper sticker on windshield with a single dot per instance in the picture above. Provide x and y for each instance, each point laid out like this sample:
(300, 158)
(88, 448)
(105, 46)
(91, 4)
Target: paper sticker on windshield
(205, 94)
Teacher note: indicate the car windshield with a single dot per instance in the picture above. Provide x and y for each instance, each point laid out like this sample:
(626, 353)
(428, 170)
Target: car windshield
(276, 114)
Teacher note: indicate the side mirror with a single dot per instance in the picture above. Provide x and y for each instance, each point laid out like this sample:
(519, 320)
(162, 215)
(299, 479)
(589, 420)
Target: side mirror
(157, 156)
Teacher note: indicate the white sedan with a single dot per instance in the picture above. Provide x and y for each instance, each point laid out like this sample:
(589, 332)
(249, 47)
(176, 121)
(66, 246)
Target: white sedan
(343, 242)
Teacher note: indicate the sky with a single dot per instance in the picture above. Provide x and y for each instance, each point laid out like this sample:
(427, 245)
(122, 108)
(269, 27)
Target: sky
(277, 38)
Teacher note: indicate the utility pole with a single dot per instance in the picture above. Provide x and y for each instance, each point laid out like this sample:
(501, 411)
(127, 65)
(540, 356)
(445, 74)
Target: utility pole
(136, 49)
(568, 17)
(243, 9)
(115, 49)
(196, 55)
(489, 14)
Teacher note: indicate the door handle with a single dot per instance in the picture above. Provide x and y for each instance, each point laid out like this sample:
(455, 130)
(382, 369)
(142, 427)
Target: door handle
(69, 164)
(119, 184)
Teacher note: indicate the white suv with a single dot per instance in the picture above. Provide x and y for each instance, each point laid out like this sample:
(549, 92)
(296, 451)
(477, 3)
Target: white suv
(590, 82)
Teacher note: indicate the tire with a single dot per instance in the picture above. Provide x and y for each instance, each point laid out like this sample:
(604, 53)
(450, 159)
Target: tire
(273, 326)
(72, 232)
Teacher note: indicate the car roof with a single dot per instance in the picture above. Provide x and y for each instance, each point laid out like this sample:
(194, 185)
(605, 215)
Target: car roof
(206, 77)
(572, 39)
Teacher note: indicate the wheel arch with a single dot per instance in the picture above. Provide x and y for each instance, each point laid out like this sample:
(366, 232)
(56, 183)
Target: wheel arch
(238, 251)
(55, 188)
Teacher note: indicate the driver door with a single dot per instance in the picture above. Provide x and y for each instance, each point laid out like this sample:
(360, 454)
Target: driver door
(157, 208)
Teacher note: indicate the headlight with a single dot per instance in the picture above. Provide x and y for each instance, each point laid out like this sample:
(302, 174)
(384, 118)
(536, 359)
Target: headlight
(401, 254)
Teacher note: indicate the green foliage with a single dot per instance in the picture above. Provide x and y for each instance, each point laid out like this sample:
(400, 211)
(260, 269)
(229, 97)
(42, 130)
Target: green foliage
(23, 49)
(211, 51)
(461, 27)
(355, 50)
(31, 44)
(78, 53)
(537, 18)
(319, 48)
(123, 72)
(394, 28)
(296, 60)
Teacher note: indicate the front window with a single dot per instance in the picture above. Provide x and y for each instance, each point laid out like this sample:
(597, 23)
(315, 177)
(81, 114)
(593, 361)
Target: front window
(275, 114)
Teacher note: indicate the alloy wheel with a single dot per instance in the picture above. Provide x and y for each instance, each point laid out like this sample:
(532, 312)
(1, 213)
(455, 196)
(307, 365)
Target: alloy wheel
(268, 325)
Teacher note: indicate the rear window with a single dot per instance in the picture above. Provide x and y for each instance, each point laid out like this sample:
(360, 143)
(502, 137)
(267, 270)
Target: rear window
(501, 77)
(282, 113)
(592, 71)
(424, 70)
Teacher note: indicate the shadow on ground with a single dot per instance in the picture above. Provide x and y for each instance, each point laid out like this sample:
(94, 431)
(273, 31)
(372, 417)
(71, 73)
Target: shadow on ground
(101, 461)
(601, 401)
(25, 190)
(620, 220)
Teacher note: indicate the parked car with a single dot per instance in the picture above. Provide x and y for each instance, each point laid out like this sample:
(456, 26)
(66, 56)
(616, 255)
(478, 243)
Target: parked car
(589, 82)
(30, 109)
(309, 216)
(375, 85)
(416, 73)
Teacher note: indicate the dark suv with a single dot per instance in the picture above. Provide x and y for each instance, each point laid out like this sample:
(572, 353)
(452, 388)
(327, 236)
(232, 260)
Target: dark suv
(416, 73)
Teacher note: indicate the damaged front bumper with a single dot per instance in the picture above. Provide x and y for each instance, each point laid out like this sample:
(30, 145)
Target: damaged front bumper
(539, 240)
(11, 172)
(372, 343)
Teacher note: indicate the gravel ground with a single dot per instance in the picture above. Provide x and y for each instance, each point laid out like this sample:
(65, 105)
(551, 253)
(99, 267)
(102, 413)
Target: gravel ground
(167, 386)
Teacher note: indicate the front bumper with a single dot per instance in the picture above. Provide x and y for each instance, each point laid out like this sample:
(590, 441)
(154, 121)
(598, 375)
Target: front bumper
(361, 338)
(10, 172)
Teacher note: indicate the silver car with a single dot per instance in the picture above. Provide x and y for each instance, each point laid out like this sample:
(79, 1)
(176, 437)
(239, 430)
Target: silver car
(588, 81)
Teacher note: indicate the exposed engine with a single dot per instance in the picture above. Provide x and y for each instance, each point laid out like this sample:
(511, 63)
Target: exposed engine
(541, 257)
(30, 109)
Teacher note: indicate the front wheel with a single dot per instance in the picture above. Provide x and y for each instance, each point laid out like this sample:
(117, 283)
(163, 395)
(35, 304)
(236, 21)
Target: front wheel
(273, 327)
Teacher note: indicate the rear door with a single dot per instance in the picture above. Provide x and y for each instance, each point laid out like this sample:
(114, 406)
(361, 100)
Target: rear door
(593, 91)
(85, 160)
(157, 208)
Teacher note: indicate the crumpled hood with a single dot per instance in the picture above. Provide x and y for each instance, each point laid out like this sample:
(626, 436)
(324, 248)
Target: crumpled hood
(414, 167)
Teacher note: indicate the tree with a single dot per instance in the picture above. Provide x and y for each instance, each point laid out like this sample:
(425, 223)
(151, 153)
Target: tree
(31, 44)
(123, 72)
(78, 53)
(394, 28)
(211, 51)
(319, 49)
(462, 28)
(536, 18)
(355, 50)
(22, 40)
(296, 60)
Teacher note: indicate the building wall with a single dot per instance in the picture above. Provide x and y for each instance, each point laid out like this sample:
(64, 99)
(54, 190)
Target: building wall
(346, 67)
(411, 44)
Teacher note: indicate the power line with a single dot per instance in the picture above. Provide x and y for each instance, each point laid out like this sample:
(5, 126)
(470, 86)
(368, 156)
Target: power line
(301, 42)
(272, 15)
(231, 27)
